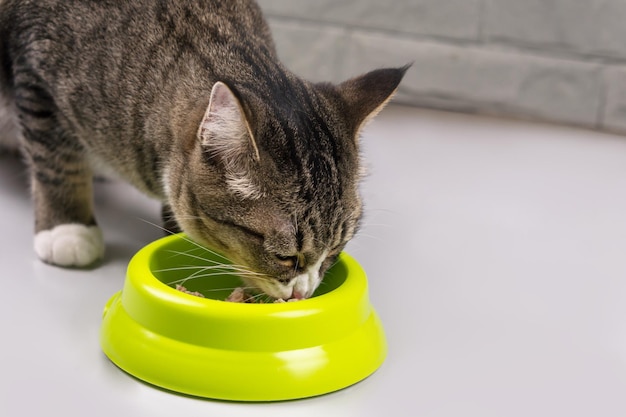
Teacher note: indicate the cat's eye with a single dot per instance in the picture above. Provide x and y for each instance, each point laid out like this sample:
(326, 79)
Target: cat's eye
(252, 233)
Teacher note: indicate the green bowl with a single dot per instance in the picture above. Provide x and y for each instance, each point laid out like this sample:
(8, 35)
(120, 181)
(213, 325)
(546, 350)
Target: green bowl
(211, 348)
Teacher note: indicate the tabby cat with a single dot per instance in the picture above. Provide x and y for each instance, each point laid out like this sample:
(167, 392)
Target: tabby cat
(187, 101)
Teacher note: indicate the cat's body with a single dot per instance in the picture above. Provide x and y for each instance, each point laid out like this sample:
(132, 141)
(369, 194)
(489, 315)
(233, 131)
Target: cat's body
(187, 101)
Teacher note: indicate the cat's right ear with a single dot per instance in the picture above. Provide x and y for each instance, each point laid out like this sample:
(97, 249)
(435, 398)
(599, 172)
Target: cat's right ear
(224, 130)
(366, 95)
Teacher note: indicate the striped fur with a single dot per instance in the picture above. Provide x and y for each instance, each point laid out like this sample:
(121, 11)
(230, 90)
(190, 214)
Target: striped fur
(187, 101)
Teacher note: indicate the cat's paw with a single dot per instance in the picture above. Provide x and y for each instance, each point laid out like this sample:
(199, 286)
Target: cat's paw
(70, 245)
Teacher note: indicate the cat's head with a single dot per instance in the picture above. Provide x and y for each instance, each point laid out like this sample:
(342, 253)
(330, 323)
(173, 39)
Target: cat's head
(272, 178)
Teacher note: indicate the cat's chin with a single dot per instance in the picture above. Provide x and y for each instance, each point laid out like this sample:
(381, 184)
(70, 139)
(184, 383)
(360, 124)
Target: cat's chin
(301, 287)
(304, 285)
(271, 287)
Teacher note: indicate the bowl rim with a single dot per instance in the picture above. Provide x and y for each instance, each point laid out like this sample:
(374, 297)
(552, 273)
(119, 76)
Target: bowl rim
(241, 326)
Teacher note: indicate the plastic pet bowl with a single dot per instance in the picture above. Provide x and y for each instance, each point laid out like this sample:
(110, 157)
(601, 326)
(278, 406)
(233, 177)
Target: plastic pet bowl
(211, 348)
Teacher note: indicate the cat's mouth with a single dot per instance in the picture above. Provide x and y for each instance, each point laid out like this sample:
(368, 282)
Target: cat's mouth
(300, 287)
(276, 289)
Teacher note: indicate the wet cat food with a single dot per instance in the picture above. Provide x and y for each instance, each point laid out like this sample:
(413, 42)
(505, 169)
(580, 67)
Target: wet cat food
(239, 295)
(186, 291)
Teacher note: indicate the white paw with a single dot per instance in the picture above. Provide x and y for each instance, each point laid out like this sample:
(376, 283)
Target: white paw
(70, 245)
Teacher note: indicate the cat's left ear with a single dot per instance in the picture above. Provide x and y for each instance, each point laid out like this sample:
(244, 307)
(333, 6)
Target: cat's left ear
(366, 95)
(224, 129)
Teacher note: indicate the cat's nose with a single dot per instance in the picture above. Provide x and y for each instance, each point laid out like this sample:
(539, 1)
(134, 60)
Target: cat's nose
(297, 295)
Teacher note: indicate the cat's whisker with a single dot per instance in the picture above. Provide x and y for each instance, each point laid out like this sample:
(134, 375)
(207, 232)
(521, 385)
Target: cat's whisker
(263, 297)
(205, 249)
(209, 290)
(226, 265)
(188, 267)
(374, 237)
(295, 224)
(259, 277)
(156, 225)
(383, 210)
(226, 269)
(183, 280)
(186, 239)
(207, 273)
(333, 264)
(387, 225)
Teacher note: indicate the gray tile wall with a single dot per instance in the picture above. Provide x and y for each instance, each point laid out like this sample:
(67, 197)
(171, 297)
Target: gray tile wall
(555, 60)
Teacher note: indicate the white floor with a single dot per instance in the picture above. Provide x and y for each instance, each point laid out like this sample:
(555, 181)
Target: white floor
(496, 257)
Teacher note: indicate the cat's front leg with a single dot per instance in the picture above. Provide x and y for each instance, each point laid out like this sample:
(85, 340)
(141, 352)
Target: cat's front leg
(66, 233)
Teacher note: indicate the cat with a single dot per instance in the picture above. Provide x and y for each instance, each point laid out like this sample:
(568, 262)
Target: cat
(187, 101)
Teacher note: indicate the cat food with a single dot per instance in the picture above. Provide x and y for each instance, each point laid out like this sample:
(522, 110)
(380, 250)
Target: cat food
(186, 291)
(239, 295)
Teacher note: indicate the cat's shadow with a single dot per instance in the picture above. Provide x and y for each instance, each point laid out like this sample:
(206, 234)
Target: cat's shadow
(13, 176)
(128, 219)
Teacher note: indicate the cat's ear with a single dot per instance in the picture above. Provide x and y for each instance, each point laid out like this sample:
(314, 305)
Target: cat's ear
(224, 130)
(226, 135)
(366, 95)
